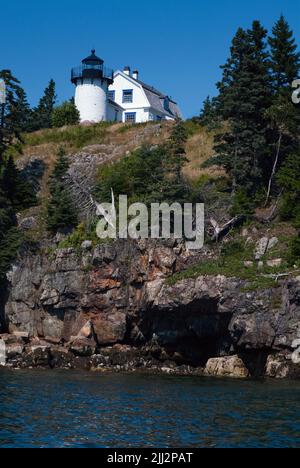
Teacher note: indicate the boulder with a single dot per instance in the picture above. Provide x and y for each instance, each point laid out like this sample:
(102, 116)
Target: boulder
(282, 366)
(261, 248)
(230, 366)
(110, 328)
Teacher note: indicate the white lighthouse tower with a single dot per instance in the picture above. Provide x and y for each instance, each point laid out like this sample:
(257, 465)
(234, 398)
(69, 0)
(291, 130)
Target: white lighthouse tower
(92, 80)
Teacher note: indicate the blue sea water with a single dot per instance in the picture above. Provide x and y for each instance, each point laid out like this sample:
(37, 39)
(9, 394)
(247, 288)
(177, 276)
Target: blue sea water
(78, 409)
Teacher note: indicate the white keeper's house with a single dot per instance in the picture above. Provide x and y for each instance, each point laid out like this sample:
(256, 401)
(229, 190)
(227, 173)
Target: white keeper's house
(105, 96)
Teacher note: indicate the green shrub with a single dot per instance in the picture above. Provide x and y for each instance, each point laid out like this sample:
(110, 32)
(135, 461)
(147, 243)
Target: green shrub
(243, 204)
(294, 251)
(66, 114)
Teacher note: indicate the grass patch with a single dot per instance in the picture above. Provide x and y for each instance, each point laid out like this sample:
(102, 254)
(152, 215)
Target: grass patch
(82, 233)
(74, 136)
(231, 264)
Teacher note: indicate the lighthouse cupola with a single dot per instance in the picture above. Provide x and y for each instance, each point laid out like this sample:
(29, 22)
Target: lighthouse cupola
(92, 80)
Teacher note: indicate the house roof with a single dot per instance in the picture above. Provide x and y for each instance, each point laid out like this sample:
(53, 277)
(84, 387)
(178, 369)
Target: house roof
(157, 99)
(114, 104)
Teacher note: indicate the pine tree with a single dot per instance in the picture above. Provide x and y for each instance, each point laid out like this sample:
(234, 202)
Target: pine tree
(41, 116)
(285, 60)
(282, 118)
(288, 179)
(176, 155)
(9, 236)
(22, 111)
(245, 95)
(173, 186)
(9, 133)
(209, 114)
(61, 213)
(15, 188)
(12, 119)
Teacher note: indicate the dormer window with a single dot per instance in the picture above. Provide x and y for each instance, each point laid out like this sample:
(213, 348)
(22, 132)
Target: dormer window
(127, 96)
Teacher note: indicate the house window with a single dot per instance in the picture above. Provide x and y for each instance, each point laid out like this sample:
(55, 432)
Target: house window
(167, 104)
(158, 118)
(112, 95)
(128, 95)
(130, 117)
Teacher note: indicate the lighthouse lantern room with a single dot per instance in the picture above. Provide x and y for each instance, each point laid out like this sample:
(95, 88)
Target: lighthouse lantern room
(92, 80)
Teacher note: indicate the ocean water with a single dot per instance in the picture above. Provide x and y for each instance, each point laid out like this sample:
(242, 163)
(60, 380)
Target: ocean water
(78, 409)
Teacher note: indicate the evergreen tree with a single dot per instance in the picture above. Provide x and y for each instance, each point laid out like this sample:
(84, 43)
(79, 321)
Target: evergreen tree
(12, 119)
(22, 111)
(285, 60)
(9, 236)
(245, 95)
(10, 129)
(288, 179)
(15, 188)
(209, 114)
(61, 213)
(41, 116)
(175, 154)
(282, 118)
(174, 187)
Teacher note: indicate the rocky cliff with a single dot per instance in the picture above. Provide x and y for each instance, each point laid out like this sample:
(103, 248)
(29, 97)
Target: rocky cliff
(113, 306)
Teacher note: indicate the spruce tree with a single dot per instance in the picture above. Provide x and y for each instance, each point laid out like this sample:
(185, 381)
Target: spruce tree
(42, 115)
(209, 114)
(173, 187)
(283, 117)
(9, 133)
(288, 179)
(245, 95)
(176, 155)
(285, 60)
(9, 236)
(15, 188)
(283, 138)
(22, 111)
(13, 118)
(61, 213)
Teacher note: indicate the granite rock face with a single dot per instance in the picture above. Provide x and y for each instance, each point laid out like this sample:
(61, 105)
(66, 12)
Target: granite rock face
(79, 304)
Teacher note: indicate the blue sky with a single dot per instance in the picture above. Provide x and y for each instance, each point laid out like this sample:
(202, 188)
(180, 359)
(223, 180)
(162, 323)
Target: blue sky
(178, 45)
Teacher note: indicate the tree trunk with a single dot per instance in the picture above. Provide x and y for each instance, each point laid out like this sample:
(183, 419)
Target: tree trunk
(274, 169)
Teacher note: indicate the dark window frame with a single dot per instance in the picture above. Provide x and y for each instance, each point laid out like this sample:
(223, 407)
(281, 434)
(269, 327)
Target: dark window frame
(127, 98)
(128, 120)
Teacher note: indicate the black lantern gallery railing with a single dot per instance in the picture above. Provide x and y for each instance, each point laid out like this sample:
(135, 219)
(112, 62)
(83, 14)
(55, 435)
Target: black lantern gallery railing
(92, 72)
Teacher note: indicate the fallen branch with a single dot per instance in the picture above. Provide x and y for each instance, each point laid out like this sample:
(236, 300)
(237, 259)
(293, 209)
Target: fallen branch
(277, 276)
(219, 232)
